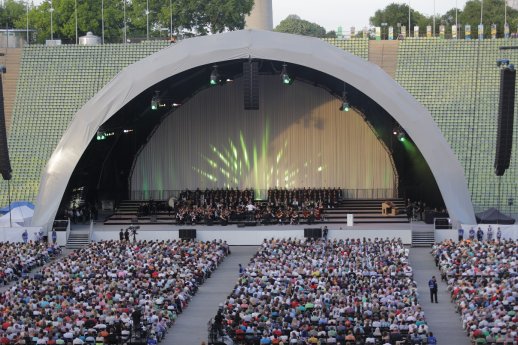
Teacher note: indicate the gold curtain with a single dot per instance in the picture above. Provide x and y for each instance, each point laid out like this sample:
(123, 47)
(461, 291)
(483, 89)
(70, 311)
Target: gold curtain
(298, 138)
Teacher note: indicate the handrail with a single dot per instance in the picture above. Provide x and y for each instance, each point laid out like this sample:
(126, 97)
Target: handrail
(262, 194)
(68, 229)
(91, 231)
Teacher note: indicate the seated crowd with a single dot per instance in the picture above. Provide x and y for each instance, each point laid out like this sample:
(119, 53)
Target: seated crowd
(318, 292)
(109, 292)
(18, 259)
(224, 206)
(483, 280)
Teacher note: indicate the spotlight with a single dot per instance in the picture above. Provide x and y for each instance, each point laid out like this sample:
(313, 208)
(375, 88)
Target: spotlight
(345, 104)
(155, 101)
(345, 107)
(394, 132)
(214, 76)
(100, 135)
(285, 77)
(126, 131)
(401, 136)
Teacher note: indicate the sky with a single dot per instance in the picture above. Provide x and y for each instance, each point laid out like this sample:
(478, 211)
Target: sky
(346, 13)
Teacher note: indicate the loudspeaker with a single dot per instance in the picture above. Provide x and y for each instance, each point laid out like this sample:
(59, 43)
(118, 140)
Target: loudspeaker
(313, 233)
(187, 234)
(251, 85)
(504, 139)
(241, 225)
(5, 162)
(251, 223)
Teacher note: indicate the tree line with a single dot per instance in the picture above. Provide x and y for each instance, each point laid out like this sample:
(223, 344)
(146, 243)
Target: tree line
(138, 17)
(493, 13)
(396, 14)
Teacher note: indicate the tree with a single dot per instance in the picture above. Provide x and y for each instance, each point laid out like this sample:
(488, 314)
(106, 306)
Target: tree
(11, 12)
(398, 13)
(199, 17)
(493, 13)
(293, 24)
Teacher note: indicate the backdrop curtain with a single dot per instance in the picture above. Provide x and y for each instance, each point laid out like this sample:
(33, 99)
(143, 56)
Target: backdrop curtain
(298, 138)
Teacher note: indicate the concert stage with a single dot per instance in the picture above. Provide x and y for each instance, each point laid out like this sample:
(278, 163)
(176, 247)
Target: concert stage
(254, 235)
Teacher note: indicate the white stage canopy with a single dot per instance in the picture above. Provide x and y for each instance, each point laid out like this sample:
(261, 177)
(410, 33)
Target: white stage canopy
(310, 52)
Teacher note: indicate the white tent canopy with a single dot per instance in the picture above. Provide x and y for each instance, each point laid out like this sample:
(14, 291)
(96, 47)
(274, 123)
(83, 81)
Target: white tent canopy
(305, 51)
(19, 216)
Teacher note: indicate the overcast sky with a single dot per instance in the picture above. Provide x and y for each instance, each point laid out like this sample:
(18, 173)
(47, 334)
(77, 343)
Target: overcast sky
(346, 13)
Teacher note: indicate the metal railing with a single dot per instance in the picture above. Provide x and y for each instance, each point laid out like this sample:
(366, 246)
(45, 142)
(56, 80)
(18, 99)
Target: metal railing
(262, 194)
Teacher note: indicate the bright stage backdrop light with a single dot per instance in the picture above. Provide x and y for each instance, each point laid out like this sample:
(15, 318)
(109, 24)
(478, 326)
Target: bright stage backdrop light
(298, 138)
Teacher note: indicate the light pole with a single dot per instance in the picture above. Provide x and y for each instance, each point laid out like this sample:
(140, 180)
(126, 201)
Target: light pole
(102, 21)
(433, 18)
(147, 20)
(482, 9)
(75, 6)
(409, 18)
(505, 19)
(456, 15)
(51, 22)
(27, 19)
(124, 10)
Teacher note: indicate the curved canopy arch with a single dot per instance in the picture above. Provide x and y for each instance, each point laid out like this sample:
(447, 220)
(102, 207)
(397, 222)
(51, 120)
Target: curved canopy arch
(305, 51)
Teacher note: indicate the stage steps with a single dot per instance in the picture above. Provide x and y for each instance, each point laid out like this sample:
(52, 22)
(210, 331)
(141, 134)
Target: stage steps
(77, 240)
(423, 238)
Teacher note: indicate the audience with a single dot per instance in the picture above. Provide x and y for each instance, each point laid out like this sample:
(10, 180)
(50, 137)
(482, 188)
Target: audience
(18, 259)
(101, 293)
(298, 292)
(482, 277)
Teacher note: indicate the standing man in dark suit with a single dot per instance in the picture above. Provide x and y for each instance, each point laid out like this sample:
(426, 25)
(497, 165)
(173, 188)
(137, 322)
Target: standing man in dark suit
(432, 284)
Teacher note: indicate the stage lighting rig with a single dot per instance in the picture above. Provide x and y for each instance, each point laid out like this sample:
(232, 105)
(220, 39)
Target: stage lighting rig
(215, 78)
(158, 102)
(400, 134)
(285, 77)
(345, 107)
(155, 101)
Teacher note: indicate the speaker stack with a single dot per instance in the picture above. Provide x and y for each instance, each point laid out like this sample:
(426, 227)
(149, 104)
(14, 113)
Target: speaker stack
(251, 85)
(187, 234)
(5, 162)
(504, 141)
(313, 233)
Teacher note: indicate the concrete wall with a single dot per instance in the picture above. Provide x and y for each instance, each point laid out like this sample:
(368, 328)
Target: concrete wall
(508, 232)
(246, 236)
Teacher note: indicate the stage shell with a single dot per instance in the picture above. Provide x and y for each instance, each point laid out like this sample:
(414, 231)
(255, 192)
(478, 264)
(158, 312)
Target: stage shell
(310, 52)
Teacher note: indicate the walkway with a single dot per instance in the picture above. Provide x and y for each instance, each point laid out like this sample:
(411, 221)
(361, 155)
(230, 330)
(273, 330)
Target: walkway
(191, 325)
(442, 319)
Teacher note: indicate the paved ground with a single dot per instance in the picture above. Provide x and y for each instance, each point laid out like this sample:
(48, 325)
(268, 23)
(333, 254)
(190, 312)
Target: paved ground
(191, 325)
(442, 319)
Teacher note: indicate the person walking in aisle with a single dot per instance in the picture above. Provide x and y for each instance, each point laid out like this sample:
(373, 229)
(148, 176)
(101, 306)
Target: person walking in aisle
(432, 284)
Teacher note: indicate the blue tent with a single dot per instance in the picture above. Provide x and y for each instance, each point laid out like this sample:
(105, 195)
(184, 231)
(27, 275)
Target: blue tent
(17, 204)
